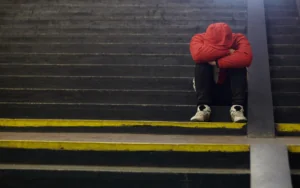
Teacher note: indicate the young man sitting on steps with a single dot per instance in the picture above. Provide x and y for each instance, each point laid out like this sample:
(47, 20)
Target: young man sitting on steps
(227, 54)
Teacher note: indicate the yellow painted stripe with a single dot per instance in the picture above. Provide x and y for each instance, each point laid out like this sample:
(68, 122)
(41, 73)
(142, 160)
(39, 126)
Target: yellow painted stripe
(294, 148)
(110, 146)
(288, 127)
(113, 123)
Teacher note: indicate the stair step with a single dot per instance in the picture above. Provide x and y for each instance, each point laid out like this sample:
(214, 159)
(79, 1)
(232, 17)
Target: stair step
(130, 59)
(287, 114)
(284, 30)
(163, 97)
(108, 38)
(92, 12)
(57, 18)
(288, 129)
(97, 82)
(122, 126)
(95, 6)
(108, 111)
(286, 99)
(279, 2)
(284, 60)
(284, 49)
(121, 2)
(102, 176)
(157, 48)
(99, 96)
(115, 19)
(291, 6)
(283, 21)
(95, 29)
(285, 71)
(280, 13)
(99, 70)
(151, 23)
(125, 150)
(284, 39)
(285, 84)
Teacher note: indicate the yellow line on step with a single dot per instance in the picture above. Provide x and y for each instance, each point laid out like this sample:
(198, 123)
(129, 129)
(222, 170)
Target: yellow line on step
(111, 146)
(294, 148)
(113, 123)
(288, 127)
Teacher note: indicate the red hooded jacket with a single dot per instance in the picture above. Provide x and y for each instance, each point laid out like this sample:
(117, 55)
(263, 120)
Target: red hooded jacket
(214, 45)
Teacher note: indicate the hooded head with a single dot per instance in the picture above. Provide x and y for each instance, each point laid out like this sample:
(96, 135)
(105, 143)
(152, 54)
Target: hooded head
(219, 36)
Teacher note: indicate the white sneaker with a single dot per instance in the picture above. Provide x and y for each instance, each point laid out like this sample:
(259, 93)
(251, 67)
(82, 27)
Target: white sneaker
(237, 114)
(202, 114)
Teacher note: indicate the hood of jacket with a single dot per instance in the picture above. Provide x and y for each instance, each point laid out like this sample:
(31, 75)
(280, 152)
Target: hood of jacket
(218, 36)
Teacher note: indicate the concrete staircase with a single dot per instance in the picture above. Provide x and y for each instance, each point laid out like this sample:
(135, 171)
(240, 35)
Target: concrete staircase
(99, 92)
(284, 59)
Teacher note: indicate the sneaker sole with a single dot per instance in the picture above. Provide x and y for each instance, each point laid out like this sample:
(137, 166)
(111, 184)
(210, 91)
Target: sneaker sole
(241, 121)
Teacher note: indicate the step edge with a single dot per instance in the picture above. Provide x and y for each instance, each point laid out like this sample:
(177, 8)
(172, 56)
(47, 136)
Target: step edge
(26, 123)
(121, 169)
(121, 146)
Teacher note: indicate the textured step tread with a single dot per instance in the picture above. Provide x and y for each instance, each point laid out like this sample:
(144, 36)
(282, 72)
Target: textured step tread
(283, 29)
(122, 126)
(284, 60)
(128, 18)
(280, 13)
(132, 178)
(96, 38)
(96, 82)
(284, 39)
(144, 170)
(160, 2)
(138, 59)
(285, 71)
(99, 96)
(42, 123)
(107, 111)
(113, 146)
(283, 21)
(287, 114)
(157, 48)
(285, 49)
(99, 70)
(285, 85)
(84, 12)
(286, 99)
(94, 29)
(51, 24)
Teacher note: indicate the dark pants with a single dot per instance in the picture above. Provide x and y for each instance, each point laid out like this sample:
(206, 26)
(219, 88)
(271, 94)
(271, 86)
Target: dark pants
(208, 91)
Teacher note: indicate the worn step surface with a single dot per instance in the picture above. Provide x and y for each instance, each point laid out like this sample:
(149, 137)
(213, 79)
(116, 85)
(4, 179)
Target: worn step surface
(284, 45)
(121, 126)
(77, 110)
(103, 176)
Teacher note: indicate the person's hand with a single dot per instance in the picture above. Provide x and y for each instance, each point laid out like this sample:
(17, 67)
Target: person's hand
(231, 51)
(212, 63)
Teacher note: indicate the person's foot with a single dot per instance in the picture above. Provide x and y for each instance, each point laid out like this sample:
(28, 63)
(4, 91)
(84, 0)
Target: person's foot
(237, 114)
(202, 114)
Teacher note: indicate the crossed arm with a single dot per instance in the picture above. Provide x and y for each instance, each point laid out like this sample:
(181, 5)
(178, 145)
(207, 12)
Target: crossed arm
(239, 57)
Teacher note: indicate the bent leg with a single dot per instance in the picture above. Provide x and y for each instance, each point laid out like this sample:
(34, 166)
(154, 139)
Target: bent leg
(238, 81)
(204, 83)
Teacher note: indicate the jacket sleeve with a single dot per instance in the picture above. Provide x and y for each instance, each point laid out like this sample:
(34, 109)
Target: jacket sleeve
(242, 57)
(203, 53)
